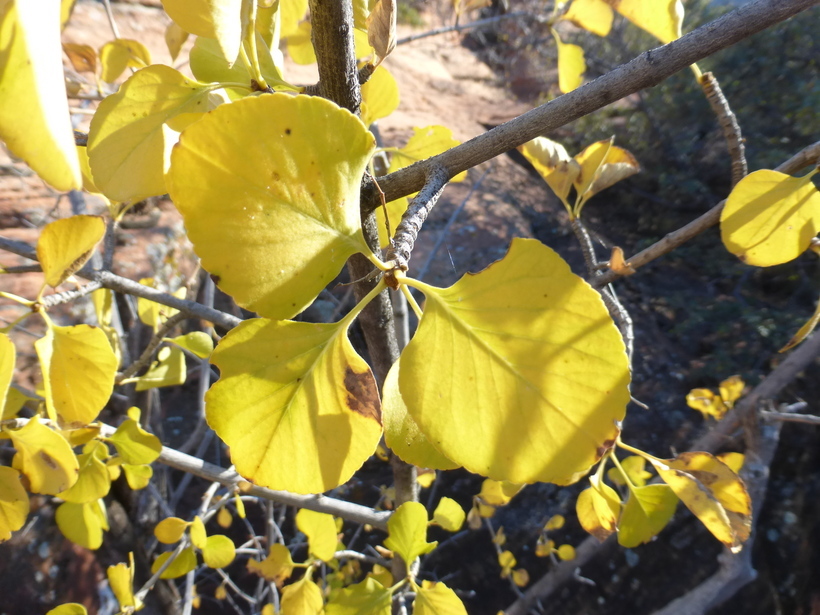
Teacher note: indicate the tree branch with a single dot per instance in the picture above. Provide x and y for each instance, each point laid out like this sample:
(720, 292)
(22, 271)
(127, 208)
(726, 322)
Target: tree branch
(648, 69)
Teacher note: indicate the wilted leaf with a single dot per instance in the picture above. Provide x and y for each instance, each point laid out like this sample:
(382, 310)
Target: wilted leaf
(83, 524)
(82, 57)
(599, 526)
(449, 515)
(269, 189)
(320, 530)
(646, 512)
(65, 245)
(497, 374)
(731, 390)
(706, 402)
(44, 458)
(408, 532)
(119, 54)
(14, 504)
(381, 28)
(34, 119)
(553, 163)
(770, 218)
(571, 65)
(295, 403)
(276, 567)
(618, 264)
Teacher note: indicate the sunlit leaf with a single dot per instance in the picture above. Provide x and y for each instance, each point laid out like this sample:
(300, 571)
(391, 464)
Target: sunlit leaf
(804, 331)
(82, 524)
(93, 482)
(14, 504)
(498, 493)
(770, 218)
(168, 370)
(571, 65)
(713, 493)
(44, 458)
(402, 434)
(449, 515)
(119, 54)
(121, 580)
(252, 169)
(34, 119)
(137, 476)
(155, 314)
(292, 12)
(71, 608)
(302, 598)
(437, 600)
(553, 163)
(592, 15)
(602, 165)
(733, 460)
(8, 357)
(590, 161)
(184, 563)
(224, 518)
(381, 28)
(497, 374)
(646, 512)
(209, 65)
(175, 38)
(320, 530)
(219, 551)
(197, 342)
(135, 445)
(731, 390)
(661, 18)
(366, 598)
(170, 530)
(219, 19)
(507, 561)
(424, 477)
(425, 142)
(521, 577)
(706, 402)
(65, 245)
(599, 524)
(380, 96)
(103, 300)
(276, 567)
(408, 532)
(635, 472)
(300, 45)
(133, 131)
(556, 522)
(295, 403)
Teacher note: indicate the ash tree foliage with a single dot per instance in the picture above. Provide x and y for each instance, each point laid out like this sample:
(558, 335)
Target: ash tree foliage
(519, 373)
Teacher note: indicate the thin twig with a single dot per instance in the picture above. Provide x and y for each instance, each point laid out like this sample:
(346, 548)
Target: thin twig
(728, 123)
(479, 23)
(790, 418)
(145, 358)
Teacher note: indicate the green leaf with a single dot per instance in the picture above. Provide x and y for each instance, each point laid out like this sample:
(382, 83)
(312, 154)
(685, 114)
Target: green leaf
(646, 512)
(93, 482)
(83, 524)
(169, 370)
(366, 598)
(770, 217)
(133, 131)
(34, 119)
(223, 20)
(218, 552)
(135, 445)
(184, 563)
(302, 598)
(65, 245)
(269, 189)
(517, 373)
(44, 458)
(14, 504)
(78, 367)
(320, 529)
(402, 434)
(408, 532)
(197, 342)
(297, 406)
(449, 515)
(437, 600)
(634, 468)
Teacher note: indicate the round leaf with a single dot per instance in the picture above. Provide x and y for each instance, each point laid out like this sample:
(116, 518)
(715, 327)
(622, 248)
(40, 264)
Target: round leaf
(170, 530)
(518, 373)
(44, 457)
(449, 515)
(66, 245)
(14, 504)
(94, 481)
(269, 189)
(182, 565)
(119, 54)
(197, 342)
(82, 524)
(646, 513)
(71, 608)
(219, 551)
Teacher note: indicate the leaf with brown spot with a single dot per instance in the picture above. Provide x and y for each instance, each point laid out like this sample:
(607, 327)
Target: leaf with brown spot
(381, 29)
(44, 457)
(66, 245)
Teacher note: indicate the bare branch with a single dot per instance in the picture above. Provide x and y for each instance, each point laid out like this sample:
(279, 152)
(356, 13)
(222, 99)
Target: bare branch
(809, 419)
(479, 23)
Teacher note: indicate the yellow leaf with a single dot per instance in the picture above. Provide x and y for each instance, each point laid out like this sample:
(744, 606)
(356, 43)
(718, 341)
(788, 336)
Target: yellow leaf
(170, 530)
(266, 610)
(804, 331)
(320, 530)
(380, 96)
(706, 402)
(276, 567)
(437, 600)
(220, 593)
(8, 357)
(733, 460)
(770, 218)
(521, 577)
(119, 54)
(302, 598)
(366, 598)
(224, 518)
(300, 46)
(269, 189)
(402, 434)
(553, 163)
(498, 372)
(137, 476)
(82, 524)
(44, 458)
(240, 506)
(71, 608)
(592, 15)
(66, 8)
(175, 38)
(155, 314)
(731, 390)
(361, 9)
(184, 563)
(661, 18)
(586, 507)
(424, 477)
(713, 493)
(571, 65)
(219, 19)
(425, 143)
(135, 445)
(556, 522)
(635, 472)
(82, 57)
(500, 537)
(449, 515)
(498, 493)
(463, 6)
(93, 482)
(408, 532)
(381, 28)
(295, 403)
(65, 245)
(169, 370)
(566, 553)
(197, 342)
(616, 166)
(646, 512)
(14, 504)
(121, 580)
(209, 65)
(218, 552)
(34, 119)
(130, 140)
